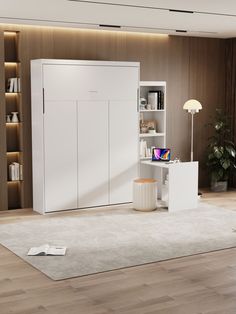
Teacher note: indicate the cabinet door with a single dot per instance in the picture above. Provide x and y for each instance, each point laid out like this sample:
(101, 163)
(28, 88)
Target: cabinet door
(60, 151)
(123, 149)
(93, 153)
(91, 83)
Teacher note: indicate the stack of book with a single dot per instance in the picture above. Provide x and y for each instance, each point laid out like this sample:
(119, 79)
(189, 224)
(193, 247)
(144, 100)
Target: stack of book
(144, 150)
(156, 99)
(15, 171)
(13, 85)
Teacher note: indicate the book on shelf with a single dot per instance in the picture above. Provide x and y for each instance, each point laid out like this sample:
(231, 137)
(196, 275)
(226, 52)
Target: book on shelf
(156, 99)
(144, 150)
(13, 85)
(153, 99)
(47, 250)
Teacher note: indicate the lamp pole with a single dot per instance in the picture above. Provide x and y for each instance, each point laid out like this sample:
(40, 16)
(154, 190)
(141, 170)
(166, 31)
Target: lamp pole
(192, 113)
(193, 106)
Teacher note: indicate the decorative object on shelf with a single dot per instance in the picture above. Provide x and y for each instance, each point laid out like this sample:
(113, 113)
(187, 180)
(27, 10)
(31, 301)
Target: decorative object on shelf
(147, 125)
(8, 118)
(15, 171)
(143, 103)
(176, 160)
(221, 153)
(149, 107)
(151, 130)
(143, 128)
(14, 118)
(192, 106)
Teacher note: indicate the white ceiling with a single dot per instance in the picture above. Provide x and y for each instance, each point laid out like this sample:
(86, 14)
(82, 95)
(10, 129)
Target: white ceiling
(210, 18)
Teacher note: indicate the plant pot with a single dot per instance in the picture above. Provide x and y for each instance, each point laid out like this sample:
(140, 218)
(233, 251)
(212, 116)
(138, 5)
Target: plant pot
(152, 131)
(220, 186)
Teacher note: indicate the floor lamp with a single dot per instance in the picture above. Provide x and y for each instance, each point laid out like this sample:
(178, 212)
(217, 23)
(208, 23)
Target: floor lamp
(193, 106)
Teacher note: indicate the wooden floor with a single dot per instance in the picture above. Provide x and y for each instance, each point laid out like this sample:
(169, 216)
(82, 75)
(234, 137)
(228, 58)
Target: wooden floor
(201, 284)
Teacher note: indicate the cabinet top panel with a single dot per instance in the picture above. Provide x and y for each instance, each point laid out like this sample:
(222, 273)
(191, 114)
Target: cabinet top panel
(86, 62)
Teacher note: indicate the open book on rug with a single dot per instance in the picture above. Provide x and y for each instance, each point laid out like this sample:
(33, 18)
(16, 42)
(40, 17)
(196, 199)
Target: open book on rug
(47, 249)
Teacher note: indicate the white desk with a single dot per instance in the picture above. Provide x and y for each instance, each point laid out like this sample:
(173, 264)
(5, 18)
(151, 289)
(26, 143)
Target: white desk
(180, 191)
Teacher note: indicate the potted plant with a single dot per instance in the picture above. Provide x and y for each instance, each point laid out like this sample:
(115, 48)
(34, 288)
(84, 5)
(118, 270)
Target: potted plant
(151, 129)
(221, 152)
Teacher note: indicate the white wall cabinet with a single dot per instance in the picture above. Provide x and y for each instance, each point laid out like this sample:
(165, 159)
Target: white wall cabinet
(84, 133)
(60, 165)
(123, 149)
(93, 153)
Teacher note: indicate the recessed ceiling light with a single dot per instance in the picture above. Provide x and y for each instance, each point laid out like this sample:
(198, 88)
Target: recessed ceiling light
(109, 26)
(181, 11)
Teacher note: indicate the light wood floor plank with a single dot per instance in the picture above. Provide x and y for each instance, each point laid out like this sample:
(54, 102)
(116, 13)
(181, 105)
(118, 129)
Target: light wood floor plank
(200, 284)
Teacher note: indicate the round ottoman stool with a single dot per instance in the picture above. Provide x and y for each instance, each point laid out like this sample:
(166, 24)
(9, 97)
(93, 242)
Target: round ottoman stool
(145, 194)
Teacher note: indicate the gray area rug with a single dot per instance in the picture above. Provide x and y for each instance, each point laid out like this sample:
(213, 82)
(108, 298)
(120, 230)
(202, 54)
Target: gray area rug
(110, 239)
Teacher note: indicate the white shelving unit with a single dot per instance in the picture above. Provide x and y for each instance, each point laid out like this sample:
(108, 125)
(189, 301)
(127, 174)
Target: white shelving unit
(158, 116)
(151, 135)
(157, 139)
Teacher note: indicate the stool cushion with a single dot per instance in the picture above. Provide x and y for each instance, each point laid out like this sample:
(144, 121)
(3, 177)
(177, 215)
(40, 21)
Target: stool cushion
(145, 180)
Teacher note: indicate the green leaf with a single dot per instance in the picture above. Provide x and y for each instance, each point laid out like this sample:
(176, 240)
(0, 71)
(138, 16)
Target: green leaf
(230, 142)
(225, 164)
(231, 151)
(219, 125)
(218, 151)
(211, 156)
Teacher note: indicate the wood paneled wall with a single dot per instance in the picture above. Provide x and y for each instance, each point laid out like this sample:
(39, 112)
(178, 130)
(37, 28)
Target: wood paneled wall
(231, 91)
(192, 67)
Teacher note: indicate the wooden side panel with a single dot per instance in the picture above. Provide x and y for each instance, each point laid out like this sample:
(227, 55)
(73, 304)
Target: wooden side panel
(3, 158)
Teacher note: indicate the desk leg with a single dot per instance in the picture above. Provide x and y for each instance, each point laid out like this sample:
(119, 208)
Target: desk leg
(158, 175)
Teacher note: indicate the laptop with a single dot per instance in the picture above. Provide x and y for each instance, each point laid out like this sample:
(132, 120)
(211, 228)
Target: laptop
(161, 154)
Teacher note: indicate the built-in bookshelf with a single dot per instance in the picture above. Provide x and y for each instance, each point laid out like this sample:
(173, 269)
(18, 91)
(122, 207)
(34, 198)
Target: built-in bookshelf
(13, 120)
(152, 115)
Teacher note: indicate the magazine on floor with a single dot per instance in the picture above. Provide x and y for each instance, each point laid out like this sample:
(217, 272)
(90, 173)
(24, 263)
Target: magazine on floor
(47, 250)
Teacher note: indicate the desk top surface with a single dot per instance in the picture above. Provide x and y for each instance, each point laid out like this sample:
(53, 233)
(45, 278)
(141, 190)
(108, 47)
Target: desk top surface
(162, 164)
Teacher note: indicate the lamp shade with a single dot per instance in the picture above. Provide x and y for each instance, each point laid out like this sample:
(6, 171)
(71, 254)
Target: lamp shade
(192, 105)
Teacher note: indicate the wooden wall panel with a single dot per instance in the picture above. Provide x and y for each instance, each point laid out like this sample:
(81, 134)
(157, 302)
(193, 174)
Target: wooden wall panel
(192, 67)
(177, 94)
(207, 84)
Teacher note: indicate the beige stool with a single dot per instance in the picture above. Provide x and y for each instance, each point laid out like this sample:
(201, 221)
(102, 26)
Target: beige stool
(145, 194)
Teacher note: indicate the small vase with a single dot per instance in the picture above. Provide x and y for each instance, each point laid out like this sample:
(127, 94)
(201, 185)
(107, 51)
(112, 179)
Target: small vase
(8, 118)
(14, 118)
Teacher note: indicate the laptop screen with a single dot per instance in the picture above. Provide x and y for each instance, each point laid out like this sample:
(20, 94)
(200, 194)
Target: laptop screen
(160, 154)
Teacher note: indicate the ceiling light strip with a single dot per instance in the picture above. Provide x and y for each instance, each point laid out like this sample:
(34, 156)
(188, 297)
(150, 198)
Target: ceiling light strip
(109, 26)
(72, 23)
(119, 4)
(181, 11)
(151, 7)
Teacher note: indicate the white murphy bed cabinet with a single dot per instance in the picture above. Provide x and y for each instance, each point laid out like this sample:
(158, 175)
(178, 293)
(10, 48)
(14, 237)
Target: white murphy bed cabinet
(84, 133)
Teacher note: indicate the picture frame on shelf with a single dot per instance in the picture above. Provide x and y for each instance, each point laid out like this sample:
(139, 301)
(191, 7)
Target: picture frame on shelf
(145, 125)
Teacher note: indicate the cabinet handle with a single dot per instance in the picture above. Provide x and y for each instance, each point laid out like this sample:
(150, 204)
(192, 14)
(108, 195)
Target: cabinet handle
(138, 99)
(93, 91)
(43, 102)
